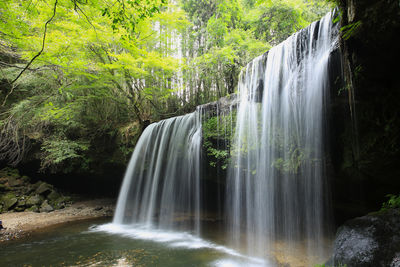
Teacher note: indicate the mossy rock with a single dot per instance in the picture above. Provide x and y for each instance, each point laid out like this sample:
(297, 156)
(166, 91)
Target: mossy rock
(44, 189)
(9, 202)
(36, 185)
(7, 196)
(371, 240)
(30, 189)
(4, 188)
(65, 199)
(21, 202)
(58, 205)
(10, 172)
(19, 209)
(33, 208)
(26, 179)
(15, 181)
(34, 201)
(60, 202)
(46, 207)
(53, 195)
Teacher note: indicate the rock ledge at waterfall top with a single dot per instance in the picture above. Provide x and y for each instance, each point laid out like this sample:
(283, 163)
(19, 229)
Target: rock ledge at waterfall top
(221, 105)
(371, 240)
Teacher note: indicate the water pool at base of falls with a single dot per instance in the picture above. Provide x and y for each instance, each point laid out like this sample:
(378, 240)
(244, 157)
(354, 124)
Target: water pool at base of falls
(101, 243)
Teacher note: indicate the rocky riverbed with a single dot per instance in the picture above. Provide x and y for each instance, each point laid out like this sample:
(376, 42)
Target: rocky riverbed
(26, 206)
(21, 224)
(18, 193)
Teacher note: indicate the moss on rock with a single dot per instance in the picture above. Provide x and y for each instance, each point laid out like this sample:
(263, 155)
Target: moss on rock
(18, 194)
(34, 201)
(9, 201)
(44, 189)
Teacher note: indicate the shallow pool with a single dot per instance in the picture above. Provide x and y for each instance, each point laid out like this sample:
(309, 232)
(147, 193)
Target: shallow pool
(100, 243)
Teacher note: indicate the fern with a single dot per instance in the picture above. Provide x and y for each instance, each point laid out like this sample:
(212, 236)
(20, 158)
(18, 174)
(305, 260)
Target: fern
(350, 30)
(393, 202)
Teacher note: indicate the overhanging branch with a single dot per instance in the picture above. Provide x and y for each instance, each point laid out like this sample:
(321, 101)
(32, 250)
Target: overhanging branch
(43, 43)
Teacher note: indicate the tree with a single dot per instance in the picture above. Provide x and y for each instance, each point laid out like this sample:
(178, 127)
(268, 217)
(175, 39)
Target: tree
(81, 85)
(74, 72)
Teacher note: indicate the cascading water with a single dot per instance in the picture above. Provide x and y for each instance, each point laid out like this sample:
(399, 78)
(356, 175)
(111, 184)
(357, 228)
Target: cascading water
(277, 188)
(161, 187)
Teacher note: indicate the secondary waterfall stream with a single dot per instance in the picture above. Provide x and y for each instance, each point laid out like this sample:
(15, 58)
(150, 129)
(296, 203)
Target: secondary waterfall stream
(162, 180)
(277, 186)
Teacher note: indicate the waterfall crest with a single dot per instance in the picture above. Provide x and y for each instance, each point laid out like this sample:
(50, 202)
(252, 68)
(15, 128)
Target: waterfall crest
(162, 181)
(277, 188)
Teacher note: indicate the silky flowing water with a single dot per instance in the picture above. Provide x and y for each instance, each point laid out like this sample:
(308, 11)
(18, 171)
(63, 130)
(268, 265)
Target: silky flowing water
(277, 185)
(162, 180)
(277, 195)
(102, 243)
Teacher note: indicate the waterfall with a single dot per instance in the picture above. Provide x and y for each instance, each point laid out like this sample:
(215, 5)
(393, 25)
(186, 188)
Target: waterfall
(161, 187)
(277, 189)
(277, 182)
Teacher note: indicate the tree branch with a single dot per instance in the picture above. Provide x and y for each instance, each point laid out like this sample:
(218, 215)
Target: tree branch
(43, 43)
(18, 67)
(77, 9)
(9, 93)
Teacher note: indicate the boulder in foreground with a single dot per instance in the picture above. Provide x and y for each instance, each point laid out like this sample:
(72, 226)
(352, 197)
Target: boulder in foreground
(371, 240)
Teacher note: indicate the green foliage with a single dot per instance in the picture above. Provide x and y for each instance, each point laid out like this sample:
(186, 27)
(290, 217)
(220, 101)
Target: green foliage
(90, 81)
(274, 21)
(107, 67)
(392, 203)
(218, 135)
(350, 30)
(292, 164)
(226, 35)
(127, 14)
(57, 153)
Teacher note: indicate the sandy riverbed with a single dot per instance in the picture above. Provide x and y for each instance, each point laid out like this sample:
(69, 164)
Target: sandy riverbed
(20, 224)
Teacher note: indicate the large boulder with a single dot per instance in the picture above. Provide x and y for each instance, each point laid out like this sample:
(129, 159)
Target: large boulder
(9, 201)
(44, 189)
(371, 240)
(21, 202)
(34, 201)
(17, 193)
(46, 207)
(34, 209)
(15, 181)
(3, 188)
(53, 195)
(25, 179)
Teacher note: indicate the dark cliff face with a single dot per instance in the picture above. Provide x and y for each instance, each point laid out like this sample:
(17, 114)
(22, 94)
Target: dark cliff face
(366, 112)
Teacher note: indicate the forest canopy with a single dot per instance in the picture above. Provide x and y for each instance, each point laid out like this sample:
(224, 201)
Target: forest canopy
(77, 75)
